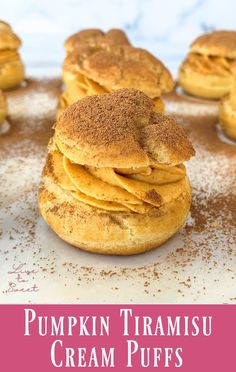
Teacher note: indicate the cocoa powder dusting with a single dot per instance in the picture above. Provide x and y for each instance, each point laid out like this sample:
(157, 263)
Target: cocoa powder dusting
(200, 257)
(123, 126)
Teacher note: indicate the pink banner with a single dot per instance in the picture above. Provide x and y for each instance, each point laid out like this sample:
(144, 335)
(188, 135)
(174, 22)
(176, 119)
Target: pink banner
(118, 337)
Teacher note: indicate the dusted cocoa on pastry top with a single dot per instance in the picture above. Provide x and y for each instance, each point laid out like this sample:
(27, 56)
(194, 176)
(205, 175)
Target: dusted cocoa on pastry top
(122, 66)
(95, 38)
(121, 130)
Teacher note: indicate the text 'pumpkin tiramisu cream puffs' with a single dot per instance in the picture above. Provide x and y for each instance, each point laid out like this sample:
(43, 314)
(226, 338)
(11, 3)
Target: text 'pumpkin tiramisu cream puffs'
(3, 108)
(99, 62)
(210, 67)
(11, 66)
(114, 180)
(228, 113)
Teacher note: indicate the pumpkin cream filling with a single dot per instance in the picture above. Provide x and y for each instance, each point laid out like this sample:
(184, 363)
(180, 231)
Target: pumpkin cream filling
(207, 64)
(115, 189)
(80, 86)
(8, 55)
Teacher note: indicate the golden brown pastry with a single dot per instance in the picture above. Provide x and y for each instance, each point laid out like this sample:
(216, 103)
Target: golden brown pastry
(11, 66)
(210, 67)
(228, 113)
(79, 43)
(3, 108)
(114, 180)
(100, 63)
(95, 36)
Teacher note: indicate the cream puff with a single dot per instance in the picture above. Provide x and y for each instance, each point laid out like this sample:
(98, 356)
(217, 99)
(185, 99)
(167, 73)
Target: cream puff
(210, 67)
(114, 180)
(228, 113)
(11, 66)
(103, 63)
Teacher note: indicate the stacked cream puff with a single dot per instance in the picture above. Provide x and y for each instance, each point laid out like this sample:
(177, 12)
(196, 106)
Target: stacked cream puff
(11, 66)
(209, 70)
(99, 62)
(114, 180)
(228, 113)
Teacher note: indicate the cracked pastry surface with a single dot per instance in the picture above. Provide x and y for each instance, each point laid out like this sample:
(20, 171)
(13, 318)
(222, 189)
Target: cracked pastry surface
(103, 62)
(114, 180)
(11, 66)
(210, 67)
(95, 37)
(227, 113)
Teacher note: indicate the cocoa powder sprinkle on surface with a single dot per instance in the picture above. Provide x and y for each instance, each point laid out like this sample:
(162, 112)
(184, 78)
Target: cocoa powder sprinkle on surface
(206, 242)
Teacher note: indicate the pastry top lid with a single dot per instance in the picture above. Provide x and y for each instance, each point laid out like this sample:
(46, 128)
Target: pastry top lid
(95, 37)
(4, 26)
(8, 40)
(216, 43)
(122, 66)
(120, 129)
